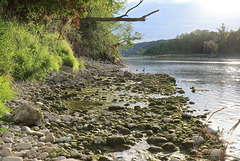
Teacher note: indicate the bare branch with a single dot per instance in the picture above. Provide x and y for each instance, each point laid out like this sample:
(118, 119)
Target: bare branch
(126, 14)
(143, 18)
(150, 13)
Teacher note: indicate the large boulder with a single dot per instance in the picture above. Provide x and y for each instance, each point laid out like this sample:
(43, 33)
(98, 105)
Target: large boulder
(27, 115)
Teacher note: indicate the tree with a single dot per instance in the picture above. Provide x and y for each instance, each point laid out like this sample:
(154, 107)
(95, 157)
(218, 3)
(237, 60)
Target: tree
(210, 47)
(222, 37)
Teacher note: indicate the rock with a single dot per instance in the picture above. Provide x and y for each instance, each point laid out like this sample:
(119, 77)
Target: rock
(24, 146)
(59, 158)
(115, 141)
(64, 139)
(155, 149)
(7, 137)
(198, 139)
(31, 154)
(59, 79)
(186, 116)
(66, 118)
(215, 154)
(174, 159)
(156, 140)
(37, 133)
(66, 69)
(210, 130)
(19, 154)
(115, 108)
(6, 152)
(171, 136)
(104, 159)
(50, 138)
(42, 139)
(27, 115)
(169, 147)
(12, 159)
(205, 151)
(53, 117)
(43, 155)
(124, 131)
(188, 145)
(156, 129)
(74, 154)
(132, 125)
(167, 120)
(127, 74)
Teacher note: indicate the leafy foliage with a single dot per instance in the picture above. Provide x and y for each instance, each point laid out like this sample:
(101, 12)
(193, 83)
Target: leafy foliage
(6, 93)
(27, 56)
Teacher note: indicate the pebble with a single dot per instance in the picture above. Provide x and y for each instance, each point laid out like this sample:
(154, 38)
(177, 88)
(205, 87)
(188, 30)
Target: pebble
(23, 146)
(6, 152)
(10, 158)
(215, 154)
(50, 138)
(198, 139)
(43, 155)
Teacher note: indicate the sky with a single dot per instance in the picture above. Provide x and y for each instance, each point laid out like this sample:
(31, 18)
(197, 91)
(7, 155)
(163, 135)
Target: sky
(183, 16)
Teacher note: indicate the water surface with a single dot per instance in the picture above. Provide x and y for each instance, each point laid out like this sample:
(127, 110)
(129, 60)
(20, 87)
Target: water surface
(220, 79)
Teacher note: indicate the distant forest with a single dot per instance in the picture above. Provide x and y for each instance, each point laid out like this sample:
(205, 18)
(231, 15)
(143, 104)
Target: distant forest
(205, 43)
(138, 48)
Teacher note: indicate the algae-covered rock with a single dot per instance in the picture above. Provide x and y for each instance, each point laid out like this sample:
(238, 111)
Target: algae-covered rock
(169, 147)
(187, 145)
(155, 149)
(156, 140)
(115, 141)
(115, 108)
(27, 115)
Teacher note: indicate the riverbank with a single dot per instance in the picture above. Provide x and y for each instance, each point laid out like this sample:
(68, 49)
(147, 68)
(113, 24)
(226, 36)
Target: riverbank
(106, 114)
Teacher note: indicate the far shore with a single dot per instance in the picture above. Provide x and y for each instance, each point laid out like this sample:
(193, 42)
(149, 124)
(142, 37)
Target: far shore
(219, 59)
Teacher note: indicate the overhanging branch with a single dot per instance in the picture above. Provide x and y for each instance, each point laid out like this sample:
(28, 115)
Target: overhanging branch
(126, 14)
(120, 18)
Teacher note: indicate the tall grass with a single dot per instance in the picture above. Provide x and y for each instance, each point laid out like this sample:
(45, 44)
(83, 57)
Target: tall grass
(24, 55)
(31, 56)
(6, 93)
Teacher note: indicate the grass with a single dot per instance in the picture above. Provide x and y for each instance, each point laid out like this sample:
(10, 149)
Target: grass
(26, 55)
(6, 94)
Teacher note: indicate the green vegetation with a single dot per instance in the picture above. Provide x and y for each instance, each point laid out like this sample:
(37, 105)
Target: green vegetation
(27, 56)
(222, 43)
(138, 48)
(6, 94)
(36, 38)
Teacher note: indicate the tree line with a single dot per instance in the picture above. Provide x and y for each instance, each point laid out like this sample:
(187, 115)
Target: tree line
(220, 43)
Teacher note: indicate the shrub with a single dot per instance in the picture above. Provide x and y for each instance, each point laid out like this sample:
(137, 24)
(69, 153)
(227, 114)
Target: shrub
(6, 93)
(28, 56)
(63, 49)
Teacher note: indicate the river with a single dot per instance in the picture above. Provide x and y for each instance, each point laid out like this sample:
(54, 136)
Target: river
(220, 81)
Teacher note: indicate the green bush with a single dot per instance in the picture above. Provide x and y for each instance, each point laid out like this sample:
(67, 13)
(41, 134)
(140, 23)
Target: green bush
(26, 55)
(61, 48)
(6, 94)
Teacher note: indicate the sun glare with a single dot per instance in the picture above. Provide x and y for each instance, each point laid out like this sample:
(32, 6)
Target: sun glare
(220, 7)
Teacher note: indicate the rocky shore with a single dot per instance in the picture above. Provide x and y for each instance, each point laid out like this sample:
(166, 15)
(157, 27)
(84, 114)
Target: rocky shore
(104, 114)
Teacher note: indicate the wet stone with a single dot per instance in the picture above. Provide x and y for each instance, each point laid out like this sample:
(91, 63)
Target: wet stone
(155, 149)
(115, 141)
(169, 147)
(156, 140)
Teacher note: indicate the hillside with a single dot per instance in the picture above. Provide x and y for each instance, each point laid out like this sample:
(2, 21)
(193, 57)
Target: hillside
(138, 48)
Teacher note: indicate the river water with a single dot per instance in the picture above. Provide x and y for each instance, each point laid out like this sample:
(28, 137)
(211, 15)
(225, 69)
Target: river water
(220, 81)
